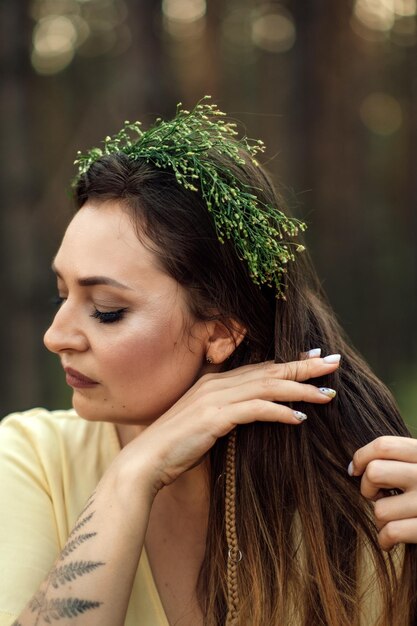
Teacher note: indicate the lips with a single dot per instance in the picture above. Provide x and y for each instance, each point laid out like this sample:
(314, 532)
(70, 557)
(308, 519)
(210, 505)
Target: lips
(76, 379)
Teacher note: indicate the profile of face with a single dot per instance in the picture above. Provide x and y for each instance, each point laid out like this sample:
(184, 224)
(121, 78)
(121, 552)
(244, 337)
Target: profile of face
(124, 333)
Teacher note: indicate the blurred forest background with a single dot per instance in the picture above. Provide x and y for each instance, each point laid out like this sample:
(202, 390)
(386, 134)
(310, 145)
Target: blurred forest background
(330, 85)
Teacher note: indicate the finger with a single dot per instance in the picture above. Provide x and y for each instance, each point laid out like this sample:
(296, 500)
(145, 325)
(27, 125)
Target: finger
(295, 370)
(258, 410)
(391, 508)
(381, 474)
(398, 531)
(307, 368)
(274, 390)
(387, 447)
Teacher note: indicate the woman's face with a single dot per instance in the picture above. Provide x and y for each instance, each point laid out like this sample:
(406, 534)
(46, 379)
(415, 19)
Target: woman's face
(123, 332)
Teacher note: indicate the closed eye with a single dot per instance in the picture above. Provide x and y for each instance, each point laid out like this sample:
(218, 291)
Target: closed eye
(109, 317)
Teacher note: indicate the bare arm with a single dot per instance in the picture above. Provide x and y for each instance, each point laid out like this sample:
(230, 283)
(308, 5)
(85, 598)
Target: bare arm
(91, 581)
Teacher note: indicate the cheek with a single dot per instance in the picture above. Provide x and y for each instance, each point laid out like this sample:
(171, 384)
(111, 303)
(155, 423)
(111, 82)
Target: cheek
(143, 368)
(128, 351)
(151, 352)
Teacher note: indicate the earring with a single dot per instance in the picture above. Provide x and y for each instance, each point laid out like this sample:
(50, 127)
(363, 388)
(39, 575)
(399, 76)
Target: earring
(209, 359)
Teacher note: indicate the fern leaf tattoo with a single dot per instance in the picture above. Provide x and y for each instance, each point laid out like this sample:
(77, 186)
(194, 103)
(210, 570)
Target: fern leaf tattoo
(88, 504)
(81, 523)
(75, 543)
(71, 571)
(37, 601)
(67, 607)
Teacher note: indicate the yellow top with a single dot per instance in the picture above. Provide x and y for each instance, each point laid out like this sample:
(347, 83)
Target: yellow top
(50, 463)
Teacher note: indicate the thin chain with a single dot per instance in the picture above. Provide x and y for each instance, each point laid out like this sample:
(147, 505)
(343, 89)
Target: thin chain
(234, 555)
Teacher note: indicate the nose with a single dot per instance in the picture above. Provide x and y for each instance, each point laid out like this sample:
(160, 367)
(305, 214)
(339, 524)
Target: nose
(65, 333)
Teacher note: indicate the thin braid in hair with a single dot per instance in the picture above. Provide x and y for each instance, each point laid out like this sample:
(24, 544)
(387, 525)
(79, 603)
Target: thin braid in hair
(234, 555)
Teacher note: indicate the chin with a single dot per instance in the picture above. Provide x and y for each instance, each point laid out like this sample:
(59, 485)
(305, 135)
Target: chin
(92, 411)
(104, 411)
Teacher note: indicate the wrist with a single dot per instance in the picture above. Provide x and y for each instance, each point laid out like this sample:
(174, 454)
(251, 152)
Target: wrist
(133, 484)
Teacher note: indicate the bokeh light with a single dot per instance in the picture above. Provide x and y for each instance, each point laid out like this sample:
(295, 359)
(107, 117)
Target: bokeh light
(381, 113)
(273, 30)
(184, 11)
(54, 40)
(403, 7)
(375, 14)
(65, 28)
(375, 20)
(184, 19)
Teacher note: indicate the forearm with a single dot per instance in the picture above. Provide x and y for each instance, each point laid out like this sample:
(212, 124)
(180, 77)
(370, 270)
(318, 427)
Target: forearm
(91, 581)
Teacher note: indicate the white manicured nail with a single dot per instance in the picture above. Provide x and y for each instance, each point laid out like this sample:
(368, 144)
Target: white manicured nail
(300, 416)
(350, 469)
(330, 393)
(313, 353)
(332, 358)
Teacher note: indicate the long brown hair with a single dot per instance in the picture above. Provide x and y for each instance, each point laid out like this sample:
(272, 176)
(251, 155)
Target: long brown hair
(280, 497)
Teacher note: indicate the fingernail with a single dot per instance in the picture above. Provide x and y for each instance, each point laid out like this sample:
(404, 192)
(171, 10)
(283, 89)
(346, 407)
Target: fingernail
(299, 416)
(350, 468)
(330, 393)
(332, 358)
(314, 352)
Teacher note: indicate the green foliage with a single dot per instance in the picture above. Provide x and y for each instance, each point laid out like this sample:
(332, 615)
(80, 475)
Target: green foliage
(184, 145)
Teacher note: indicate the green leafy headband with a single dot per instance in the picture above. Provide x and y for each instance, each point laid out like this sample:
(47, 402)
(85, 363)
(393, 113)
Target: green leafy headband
(184, 145)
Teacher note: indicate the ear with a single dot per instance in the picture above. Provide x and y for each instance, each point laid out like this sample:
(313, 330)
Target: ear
(222, 340)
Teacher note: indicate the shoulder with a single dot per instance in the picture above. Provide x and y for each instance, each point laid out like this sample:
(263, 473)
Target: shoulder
(39, 425)
(40, 419)
(57, 438)
(36, 429)
(57, 454)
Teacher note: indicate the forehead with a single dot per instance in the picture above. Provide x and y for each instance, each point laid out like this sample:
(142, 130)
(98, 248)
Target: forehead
(101, 238)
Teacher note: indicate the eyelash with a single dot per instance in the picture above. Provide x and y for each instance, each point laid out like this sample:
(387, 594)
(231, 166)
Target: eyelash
(56, 301)
(108, 317)
(104, 317)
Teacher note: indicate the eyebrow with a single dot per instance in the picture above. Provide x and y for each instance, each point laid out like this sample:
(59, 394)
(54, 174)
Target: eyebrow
(90, 281)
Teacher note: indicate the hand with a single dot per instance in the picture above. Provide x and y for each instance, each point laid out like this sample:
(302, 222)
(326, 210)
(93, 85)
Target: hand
(215, 404)
(389, 463)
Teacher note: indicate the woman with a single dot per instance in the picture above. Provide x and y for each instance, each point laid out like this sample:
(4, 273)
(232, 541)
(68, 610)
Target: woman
(193, 489)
